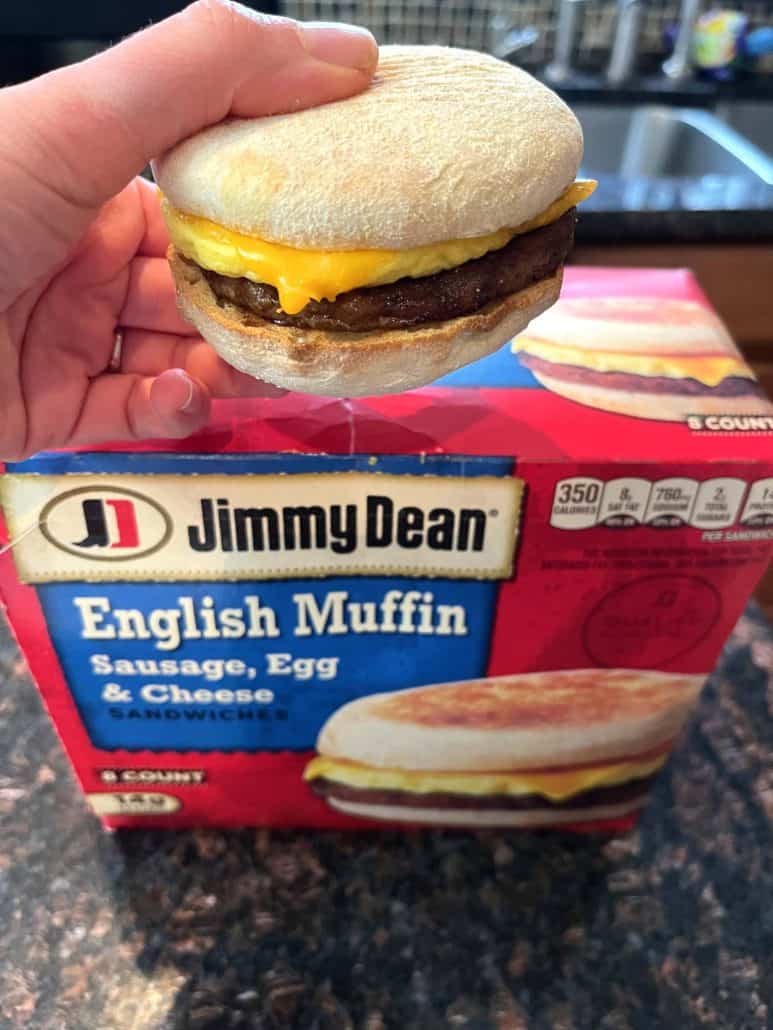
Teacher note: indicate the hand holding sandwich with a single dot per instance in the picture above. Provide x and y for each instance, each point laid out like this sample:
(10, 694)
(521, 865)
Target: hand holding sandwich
(82, 242)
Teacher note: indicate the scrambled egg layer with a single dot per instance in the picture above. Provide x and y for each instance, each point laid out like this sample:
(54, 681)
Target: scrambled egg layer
(705, 368)
(556, 786)
(303, 275)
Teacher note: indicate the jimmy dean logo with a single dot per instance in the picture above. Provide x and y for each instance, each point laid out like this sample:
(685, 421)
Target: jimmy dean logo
(252, 527)
(337, 527)
(105, 524)
(97, 531)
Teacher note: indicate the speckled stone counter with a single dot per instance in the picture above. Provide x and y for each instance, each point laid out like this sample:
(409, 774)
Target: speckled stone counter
(671, 926)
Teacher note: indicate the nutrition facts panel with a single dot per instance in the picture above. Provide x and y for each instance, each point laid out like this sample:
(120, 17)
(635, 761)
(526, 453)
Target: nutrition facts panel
(758, 510)
(581, 502)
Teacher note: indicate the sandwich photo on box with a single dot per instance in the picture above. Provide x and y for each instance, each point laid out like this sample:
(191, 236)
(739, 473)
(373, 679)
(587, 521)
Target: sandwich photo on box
(373, 245)
(650, 357)
(537, 749)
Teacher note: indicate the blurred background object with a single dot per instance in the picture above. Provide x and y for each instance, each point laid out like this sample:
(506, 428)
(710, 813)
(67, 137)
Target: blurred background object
(479, 25)
(567, 32)
(625, 45)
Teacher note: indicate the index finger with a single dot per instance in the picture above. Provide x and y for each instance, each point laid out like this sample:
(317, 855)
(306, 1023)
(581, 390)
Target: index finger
(150, 299)
(147, 353)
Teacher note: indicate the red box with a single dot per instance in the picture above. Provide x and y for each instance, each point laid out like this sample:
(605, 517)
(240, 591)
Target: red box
(488, 602)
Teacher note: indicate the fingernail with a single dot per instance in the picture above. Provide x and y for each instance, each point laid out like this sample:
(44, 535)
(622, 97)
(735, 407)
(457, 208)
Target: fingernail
(173, 391)
(348, 46)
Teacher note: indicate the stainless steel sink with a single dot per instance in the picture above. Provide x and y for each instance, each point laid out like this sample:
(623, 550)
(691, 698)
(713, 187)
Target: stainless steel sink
(655, 141)
(654, 158)
(752, 118)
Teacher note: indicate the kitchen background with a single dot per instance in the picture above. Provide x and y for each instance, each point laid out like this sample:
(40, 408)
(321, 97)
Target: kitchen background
(480, 25)
(675, 98)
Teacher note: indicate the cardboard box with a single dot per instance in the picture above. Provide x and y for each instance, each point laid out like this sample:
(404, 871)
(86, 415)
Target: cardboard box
(230, 630)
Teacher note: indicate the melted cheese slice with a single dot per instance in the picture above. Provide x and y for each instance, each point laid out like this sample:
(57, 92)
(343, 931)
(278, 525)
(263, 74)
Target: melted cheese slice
(556, 786)
(709, 369)
(303, 275)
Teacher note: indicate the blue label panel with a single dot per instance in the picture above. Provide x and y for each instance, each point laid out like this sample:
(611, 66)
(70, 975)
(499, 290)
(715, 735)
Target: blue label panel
(246, 667)
(235, 464)
(502, 370)
(256, 665)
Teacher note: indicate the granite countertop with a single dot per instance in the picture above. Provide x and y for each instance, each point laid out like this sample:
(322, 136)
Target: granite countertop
(671, 926)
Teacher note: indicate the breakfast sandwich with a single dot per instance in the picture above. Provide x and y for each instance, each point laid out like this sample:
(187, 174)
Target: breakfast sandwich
(535, 749)
(374, 244)
(649, 357)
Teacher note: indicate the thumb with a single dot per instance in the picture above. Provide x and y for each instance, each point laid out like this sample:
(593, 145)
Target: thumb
(87, 129)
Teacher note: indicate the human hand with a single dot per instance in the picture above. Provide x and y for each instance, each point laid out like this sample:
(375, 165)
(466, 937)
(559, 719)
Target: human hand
(82, 242)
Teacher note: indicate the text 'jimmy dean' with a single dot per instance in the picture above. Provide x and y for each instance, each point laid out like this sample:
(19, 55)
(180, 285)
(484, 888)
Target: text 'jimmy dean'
(161, 527)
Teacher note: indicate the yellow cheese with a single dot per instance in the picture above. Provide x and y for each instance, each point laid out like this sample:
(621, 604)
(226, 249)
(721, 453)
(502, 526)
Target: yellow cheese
(706, 368)
(557, 786)
(303, 275)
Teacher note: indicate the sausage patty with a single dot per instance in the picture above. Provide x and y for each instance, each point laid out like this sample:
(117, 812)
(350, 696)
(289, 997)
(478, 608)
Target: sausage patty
(410, 302)
(613, 795)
